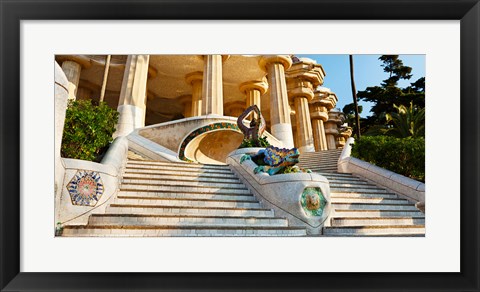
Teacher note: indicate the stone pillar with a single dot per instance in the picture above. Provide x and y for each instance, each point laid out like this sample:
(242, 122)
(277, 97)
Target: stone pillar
(275, 66)
(319, 107)
(72, 67)
(212, 90)
(344, 134)
(253, 90)
(331, 129)
(186, 101)
(195, 80)
(302, 78)
(72, 70)
(131, 104)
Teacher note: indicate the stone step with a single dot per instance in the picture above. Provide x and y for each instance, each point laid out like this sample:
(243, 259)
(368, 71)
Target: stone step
(129, 168)
(358, 190)
(353, 195)
(175, 195)
(353, 185)
(169, 210)
(350, 179)
(393, 201)
(149, 182)
(318, 161)
(157, 231)
(185, 173)
(356, 182)
(159, 220)
(381, 230)
(186, 203)
(182, 189)
(177, 164)
(340, 175)
(373, 206)
(373, 221)
(376, 213)
(173, 177)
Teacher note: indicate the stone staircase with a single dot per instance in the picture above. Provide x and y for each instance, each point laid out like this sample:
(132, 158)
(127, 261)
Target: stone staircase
(361, 208)
(182, 199)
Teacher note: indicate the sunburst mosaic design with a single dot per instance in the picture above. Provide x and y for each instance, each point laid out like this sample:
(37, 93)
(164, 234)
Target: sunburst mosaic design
(85, 188)
(200, 131)
(313, 202)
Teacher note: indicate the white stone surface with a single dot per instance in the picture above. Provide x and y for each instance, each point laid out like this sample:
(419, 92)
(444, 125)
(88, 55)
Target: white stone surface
(282, 192)
(131, 117)
(283, 132)
(150, 149)
(110, 171)
(61, 100)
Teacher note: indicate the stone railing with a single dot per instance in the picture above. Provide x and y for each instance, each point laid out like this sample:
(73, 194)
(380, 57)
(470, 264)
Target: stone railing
(302, 198)
(408, 188)
(88, 186)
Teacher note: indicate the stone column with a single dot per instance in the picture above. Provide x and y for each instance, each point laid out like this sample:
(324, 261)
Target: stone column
(253, 91)
(319, 107)
(212, 90)
(275, 66)
(195, 80)
(331, 128)
(302, 78)
(72, 67)
(131, 104)
(344, 134)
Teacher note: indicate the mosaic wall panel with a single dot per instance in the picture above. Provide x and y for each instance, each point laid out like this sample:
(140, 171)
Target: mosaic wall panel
(85, 188)
(313, 202)
(203, 130)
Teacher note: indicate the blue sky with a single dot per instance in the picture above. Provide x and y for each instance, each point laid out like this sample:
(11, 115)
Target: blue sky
(367, 70)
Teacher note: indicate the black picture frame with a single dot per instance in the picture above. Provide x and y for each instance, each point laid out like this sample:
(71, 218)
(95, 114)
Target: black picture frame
(12, 12)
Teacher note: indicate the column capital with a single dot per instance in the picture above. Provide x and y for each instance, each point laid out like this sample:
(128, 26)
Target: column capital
(308, 71)
(83, 60)
(301, 92)
(190, 78)
(336, 117)
(285, 60)
(261, 86)
(324, 97)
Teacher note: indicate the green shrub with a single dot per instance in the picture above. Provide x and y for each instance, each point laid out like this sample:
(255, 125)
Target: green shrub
(88, 130)
(405, 156)
(261, 142)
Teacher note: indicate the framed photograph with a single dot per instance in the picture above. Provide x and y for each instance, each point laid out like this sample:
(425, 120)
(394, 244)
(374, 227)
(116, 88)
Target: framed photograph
(46, 246)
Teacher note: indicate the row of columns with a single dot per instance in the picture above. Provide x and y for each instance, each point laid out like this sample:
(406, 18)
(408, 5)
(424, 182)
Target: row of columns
(286, 81)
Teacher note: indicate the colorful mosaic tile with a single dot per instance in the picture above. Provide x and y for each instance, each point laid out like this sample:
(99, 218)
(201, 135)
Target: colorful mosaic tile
(313, 201)
(202, 130)
(85, 188)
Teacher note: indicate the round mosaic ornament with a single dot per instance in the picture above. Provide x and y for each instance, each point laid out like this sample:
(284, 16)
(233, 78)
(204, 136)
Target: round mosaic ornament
(85, 188)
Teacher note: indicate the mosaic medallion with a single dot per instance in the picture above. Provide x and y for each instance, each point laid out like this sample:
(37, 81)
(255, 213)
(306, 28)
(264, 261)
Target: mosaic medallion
(313, 202)
(85, 188)
(200, 131)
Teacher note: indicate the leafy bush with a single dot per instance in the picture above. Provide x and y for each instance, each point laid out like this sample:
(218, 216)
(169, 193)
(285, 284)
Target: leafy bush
(88, 130)
(261, 142)
(405, 156)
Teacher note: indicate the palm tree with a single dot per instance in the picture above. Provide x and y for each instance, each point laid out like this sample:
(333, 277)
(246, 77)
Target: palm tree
(407, 122)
